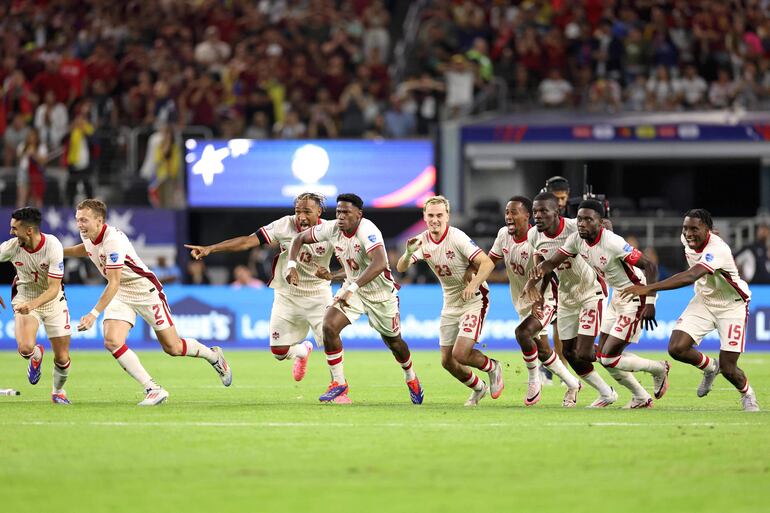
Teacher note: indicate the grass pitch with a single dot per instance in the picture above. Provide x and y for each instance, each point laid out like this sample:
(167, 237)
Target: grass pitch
(267, 445)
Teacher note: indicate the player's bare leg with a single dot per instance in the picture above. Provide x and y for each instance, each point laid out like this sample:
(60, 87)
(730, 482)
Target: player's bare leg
(534, 345)
(61, 366)
(334, 322)
(115, 334)
(465, 353)
(580, 354)
(682, 348)
(464, 375)
(621, 367)
(403, 356)
(26, 327)
(298, 352)
(174, 345)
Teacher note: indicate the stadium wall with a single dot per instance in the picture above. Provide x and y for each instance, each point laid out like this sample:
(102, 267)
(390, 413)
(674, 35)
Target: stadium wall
(239, 318)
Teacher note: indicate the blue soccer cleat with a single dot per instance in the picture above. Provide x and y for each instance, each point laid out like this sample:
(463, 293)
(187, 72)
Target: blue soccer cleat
(415, 391)
(336, 393)
(33, 372)
(60, 398)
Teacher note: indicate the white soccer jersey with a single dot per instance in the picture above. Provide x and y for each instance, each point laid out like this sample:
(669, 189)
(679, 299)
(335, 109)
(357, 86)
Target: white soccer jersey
(353, 252)
(577, 280)
(282, 232)
(518, 257)
(611, 257)
(34, 267)
(113, 250)
(722, 287)
(449, 257)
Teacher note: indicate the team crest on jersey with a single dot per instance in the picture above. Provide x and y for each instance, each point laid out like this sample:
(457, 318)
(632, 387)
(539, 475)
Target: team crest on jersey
(320, 250)
(603, 260)
(114, 257)
(357, 247)
(372, 238)
(276, 335)
(44, 266)
(524, 254)
(709, 257)
(450, 254)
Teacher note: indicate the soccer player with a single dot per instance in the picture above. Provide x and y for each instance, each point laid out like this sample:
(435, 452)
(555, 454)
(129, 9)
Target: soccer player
(38, 297)
(368, 289)
(448, 251)
(621, 265)
(132, 289)
(295, 309)
(512, 247)
(721, 303)
(581, 296)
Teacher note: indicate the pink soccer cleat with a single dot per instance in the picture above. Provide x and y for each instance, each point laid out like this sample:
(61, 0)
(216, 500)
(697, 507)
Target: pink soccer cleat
(300, 364)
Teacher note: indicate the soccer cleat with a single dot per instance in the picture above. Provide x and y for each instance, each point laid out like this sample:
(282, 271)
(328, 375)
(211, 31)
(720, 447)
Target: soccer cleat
(708, 379)
(749, 401)
(334, 392)
(477, 395)
(33, 371)
(660, 383)
(571, 396)
(604, 400)
(300, 364)
(416, 393)
(153, 397)
(60, 398)
(638, 403)
(533, 393)
(546, 376)
(496, 384)
(222, 368)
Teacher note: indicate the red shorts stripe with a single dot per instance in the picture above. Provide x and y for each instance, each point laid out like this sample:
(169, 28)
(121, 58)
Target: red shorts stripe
(167, 311)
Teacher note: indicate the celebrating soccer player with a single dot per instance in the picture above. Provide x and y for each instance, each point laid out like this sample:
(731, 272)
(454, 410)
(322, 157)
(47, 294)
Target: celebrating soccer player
(37, 296)
(369, 289)
(721, 303)
(448, 251)
(295, 309)
(132, 289)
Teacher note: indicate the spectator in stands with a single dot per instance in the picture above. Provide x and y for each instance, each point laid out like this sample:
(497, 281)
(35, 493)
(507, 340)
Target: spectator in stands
(723, 91)
(459, 78)
(604, 96)
(30, 178)
(753, 260)
(661, 92)
(427, 94)
(166, 272)
(202, 99)
(554, 91)
(14, 136)
(353, 107)
(18, 97)
(161, 168)
(78, 155)
(242, 277)
(51, 121)
(291, 128)
(635, 95)
(197, 274)
(748, 90)
(692, 88)
(399, 123)
(104, 113)
(212, 52)
(259, 128)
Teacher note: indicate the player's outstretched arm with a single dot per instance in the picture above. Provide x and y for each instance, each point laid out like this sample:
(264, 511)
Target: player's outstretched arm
(113, 284)
(412, 245)
(650, 269)
(304, 237)
(54, 286)
(78, 251)
(242, 243)
(676, 281)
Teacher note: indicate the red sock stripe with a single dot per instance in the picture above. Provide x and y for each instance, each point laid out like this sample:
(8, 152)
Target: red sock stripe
(334, 358)
(406, 365)
(119, 352)
(474, 380)
(408, 359)
(27, 356)
(487, 365)
(530, 359)
(745, 387)
(184, 346)
(65, 366)
(704, 361)
(551, 359)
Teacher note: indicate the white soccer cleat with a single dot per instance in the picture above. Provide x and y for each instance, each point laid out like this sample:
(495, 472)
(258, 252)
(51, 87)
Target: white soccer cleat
(571, 396)
(604, 401)
(638, 403)
(533, 393)
(660, 382)
(496, 384)
(749, 401)
(222, 368)
(477, 395)
(709, 375)
(154, 396)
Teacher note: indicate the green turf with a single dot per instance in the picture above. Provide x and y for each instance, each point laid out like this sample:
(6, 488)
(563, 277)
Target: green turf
(267, 445)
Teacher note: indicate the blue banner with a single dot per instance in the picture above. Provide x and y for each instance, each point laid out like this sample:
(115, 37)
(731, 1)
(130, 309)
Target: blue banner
(246, 173)
(240, 318)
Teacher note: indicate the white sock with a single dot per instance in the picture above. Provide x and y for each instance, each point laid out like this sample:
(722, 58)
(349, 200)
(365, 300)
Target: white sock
(409, 374)
(530, 360)
(193, 348)
(334, 359)
(474, 382)
(633, 363)
(595, 380)
(60, 376)
(131, 364)
(555, 365)
(299, 350)
(629, 381)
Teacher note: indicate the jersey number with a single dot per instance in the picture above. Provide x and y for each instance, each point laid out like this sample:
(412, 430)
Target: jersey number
(517, 269)
(735, 334)
(352, 264)
(443, 270)
(36, 275)
(305, 257)
(158, 316)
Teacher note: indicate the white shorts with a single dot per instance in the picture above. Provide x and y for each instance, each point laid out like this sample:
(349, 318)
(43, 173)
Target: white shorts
(156, 312)
(54, 315)
(466, 322)
(384, 316)
(524, 310)
(583, 318)
(698, 320)
(293, 316)
(623, 318)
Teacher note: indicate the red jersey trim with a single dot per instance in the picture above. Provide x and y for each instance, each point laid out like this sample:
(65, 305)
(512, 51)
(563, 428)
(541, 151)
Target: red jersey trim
(558, 232)
(265, 235)
(565, 252)
(708, 239)
(474, 254)
(708, 268)
(597, 239)
(378, 245)
(39, 246)
(100, 237)
(442, 237)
